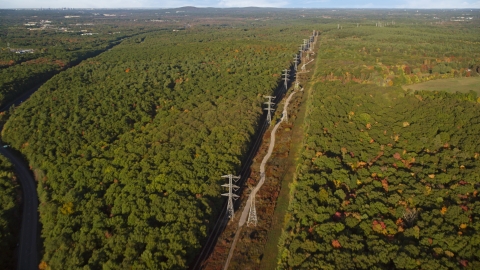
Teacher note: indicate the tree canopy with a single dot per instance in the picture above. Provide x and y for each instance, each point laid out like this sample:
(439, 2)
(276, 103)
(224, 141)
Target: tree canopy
(388, 178)
(129, 146)
(9, 214)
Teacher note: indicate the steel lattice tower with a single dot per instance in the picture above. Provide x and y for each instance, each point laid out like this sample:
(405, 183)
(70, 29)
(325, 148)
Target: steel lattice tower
(252, 215)
(269, 109)
(297, 83)
(285, 78)
(230, 195)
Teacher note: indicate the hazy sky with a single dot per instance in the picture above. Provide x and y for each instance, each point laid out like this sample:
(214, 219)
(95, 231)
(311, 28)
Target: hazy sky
(241, 3)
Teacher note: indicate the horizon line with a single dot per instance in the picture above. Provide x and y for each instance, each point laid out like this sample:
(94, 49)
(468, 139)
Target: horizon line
(200, 7)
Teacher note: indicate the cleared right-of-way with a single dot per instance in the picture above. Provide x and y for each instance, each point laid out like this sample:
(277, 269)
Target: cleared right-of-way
(243, 217)
(246, 209)
(250, 205)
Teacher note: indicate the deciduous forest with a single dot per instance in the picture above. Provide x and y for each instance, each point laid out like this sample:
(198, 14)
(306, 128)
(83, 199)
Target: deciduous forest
(38, 45)
(9, 214)
(388, 178)
(128, 147)
(128, 144)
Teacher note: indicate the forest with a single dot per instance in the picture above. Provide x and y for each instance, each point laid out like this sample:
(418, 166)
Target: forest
(38, 45)
(149, 108)
(9, 214)
(388, 178)
(128, 147)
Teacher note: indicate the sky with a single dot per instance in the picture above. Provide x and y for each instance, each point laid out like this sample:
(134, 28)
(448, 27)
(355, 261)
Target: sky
(423, 4)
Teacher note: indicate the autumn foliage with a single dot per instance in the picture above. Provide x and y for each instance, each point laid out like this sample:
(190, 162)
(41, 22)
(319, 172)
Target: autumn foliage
(395, 201)
(336, 244)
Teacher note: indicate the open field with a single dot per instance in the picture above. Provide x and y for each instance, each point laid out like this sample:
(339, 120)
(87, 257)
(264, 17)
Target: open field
(449, 85)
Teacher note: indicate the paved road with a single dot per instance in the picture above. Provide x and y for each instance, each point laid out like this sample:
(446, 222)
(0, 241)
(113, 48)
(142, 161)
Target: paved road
(17, 101)
(27, 250)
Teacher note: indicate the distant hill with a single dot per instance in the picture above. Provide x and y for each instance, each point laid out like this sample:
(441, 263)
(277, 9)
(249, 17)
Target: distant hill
(189, 8)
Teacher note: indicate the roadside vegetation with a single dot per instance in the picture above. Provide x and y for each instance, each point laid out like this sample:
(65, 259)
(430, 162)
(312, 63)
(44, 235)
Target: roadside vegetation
(9, 214)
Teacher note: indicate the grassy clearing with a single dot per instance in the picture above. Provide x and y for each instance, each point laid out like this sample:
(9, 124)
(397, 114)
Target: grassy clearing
(449, 85)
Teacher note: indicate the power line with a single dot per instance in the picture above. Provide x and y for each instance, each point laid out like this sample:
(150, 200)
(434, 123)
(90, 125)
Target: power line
(230, 195)
(220, 224)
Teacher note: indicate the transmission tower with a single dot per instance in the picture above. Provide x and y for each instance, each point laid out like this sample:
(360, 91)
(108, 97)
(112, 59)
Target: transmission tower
(295, 60)
(230, 195)
(269, 109)
(252, 214)
(285, 74)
